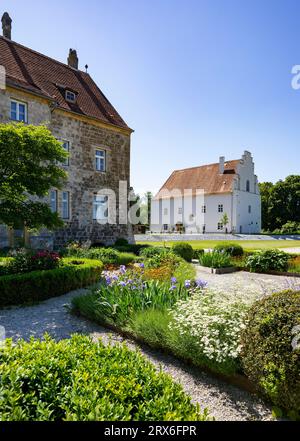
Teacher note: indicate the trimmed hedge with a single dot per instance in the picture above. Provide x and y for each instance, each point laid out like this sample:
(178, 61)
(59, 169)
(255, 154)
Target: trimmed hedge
(41, 285)
(79, 380)
(271, 349)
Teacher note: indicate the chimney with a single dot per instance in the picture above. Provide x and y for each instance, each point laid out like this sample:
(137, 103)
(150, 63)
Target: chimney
(6, 25)
(221, 165)
(73, 59)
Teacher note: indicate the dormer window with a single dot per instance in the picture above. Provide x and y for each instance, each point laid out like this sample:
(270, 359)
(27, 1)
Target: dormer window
(70, 96)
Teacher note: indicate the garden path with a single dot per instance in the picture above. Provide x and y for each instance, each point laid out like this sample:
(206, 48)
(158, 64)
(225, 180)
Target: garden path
(225, 402)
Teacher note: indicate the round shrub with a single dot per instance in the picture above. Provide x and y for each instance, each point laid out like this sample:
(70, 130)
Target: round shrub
(121, 242)
(268, 260)
(184, 250)
(198, 253)
(78, 380)
(152, 251)
(232, 249)
(271, 349)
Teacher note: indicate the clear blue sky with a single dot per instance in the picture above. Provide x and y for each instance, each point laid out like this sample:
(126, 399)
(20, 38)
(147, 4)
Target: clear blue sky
(195, 79)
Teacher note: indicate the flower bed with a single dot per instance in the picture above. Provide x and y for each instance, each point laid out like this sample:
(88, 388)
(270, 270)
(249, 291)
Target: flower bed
(18, 289)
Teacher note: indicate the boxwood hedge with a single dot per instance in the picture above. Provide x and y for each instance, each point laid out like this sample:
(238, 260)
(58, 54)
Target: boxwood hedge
(78, 380)
(41, 285)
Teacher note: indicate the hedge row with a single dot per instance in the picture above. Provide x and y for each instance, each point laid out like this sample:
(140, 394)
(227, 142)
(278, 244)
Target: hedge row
(41, 285)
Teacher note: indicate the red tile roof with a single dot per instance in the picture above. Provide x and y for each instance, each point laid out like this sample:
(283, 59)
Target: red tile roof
(204, 177)
(49, 78)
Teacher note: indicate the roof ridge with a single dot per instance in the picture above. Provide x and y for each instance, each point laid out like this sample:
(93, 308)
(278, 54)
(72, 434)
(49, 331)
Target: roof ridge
(204, 165)
(43, 55)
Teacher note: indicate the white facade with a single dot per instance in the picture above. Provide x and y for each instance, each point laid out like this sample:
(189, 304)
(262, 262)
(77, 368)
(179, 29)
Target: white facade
(242, 205)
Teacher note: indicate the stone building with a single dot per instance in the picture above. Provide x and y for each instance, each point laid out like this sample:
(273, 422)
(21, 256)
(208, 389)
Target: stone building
(41, 90)
(196, 199)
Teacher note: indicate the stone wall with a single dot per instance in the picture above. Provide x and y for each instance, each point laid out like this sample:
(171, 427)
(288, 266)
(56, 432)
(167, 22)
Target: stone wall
(84, 136)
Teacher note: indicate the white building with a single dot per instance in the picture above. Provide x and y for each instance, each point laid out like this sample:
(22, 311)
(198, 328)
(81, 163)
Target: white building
(196, 199)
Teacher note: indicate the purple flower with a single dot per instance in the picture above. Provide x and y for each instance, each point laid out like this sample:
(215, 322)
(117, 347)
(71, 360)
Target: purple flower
(122, 284)
(142, 265)
(108, 281)
(173, 287)
(187, 283)
(129, 282)
(115, 277)
(174, 280)
(122, 269)
(201, 283)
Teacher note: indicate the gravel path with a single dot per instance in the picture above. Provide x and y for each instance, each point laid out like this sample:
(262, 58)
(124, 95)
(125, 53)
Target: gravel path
(225, 402)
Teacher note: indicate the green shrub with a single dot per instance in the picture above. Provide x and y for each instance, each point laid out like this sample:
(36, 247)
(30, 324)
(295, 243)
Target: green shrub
(271, 354)
(184, 250)
(198, 253)
(152, 251)
(288, 228)
(121, 242)
(108, 256)
(268, 260)
(231, 249)
(130, 248)
(215, 260)
(79, 380)
(25, 261)
(152, 326)
(41, 285)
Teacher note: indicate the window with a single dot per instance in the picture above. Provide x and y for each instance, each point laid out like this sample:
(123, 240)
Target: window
(249, 209)
(248, 186)
(100, 156)
(220, 208)
(166, 226)
(203, 209)
(53, 201)
(70, 96)
(180, 210)
(65, 205)
(18, 111)
(100, 207)
(166, 212)
(66, 147)
(220, 226)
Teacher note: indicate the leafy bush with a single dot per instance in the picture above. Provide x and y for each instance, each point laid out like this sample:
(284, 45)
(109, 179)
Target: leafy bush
(152, 251)
(215, 260)
(271, 349)
(294, 264)
(288, 228)
(41, 285)
(25, 261)
(167, 257)
(268, 260)
(121, 242)
(108, 256)
(79, 380)
(115, 301)
(130, 248)
(198, 253)
(184, 250)
(231, 249)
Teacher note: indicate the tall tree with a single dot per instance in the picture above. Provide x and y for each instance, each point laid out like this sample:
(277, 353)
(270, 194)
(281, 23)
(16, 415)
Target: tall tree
(30, 160)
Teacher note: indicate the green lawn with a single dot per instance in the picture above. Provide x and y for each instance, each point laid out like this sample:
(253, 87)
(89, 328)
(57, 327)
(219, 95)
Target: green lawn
(246, 244)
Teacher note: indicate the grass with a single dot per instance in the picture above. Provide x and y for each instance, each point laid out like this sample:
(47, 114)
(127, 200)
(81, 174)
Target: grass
(248, 245)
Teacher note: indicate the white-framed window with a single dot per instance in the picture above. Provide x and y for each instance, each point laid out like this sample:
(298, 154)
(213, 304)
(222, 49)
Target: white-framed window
(220, 226)
(66, 205)
(100, 160)
(70, 96)
(166, 211)
(180, 210)
(249, 209)
(203, 208)
(166, 227)
(220, 208)
(18, 111)
(100, 207)
(66, 147)
(53, 201)
(248, 185)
